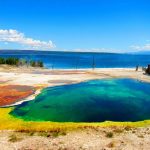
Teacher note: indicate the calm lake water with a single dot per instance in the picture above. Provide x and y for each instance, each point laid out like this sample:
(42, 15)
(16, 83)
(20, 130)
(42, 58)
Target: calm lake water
(70, 60)
(92, 101)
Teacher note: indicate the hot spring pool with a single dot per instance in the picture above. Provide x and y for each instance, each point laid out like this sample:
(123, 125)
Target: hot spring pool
(92, 101)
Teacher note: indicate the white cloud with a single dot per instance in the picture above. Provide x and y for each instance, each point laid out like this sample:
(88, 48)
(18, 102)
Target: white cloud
(14, 36)
(144, 47)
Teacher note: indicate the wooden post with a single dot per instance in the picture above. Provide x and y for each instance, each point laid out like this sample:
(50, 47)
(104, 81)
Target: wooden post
(77, 62)
(52, 66)
(93, 63)
(137, 67)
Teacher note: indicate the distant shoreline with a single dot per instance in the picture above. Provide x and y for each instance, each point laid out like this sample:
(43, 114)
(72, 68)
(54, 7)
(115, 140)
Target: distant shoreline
(63, 51)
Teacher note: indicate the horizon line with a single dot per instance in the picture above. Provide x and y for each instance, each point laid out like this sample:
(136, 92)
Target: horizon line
(70, 51)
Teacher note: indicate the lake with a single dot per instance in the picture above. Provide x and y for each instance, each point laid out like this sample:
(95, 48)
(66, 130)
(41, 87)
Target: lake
(91, 101)
(70, 60)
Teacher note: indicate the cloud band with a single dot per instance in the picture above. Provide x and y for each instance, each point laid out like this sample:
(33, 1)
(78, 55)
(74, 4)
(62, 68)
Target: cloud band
(15, 36)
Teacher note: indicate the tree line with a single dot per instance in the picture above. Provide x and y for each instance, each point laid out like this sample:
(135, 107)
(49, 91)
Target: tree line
(20, 62)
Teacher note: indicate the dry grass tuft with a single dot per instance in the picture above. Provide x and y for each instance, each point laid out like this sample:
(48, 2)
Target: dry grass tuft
(109, 134)
(111, 145)
(14, 138)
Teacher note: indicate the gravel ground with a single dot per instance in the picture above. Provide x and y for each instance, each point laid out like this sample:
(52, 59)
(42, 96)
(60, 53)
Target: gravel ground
(82, 139)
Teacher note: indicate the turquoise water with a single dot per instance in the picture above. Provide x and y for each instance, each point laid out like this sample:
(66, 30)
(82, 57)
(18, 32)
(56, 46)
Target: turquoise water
(92, 101)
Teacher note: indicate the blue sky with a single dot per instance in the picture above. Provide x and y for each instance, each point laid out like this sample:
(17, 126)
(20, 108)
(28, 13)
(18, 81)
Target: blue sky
(75, 25)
